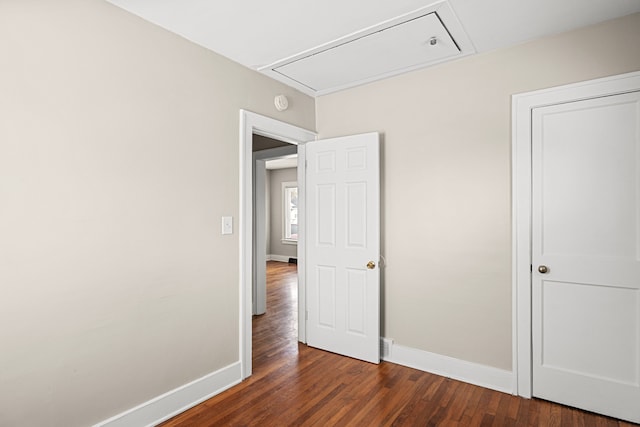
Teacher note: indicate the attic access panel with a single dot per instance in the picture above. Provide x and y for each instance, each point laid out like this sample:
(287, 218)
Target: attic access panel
(407, 45)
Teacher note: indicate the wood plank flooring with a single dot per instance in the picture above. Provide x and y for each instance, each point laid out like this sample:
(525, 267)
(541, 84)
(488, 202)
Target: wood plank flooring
(295, 385)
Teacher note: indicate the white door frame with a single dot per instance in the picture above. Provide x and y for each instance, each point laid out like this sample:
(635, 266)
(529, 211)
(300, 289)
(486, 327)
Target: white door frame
(252, 123)
(522, 107)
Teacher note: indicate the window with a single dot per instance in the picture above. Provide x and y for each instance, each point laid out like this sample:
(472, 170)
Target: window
(290, 212)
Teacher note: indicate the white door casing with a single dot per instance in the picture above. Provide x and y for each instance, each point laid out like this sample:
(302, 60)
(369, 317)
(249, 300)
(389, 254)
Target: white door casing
(585, 241)
(343, 236)
(581, 222)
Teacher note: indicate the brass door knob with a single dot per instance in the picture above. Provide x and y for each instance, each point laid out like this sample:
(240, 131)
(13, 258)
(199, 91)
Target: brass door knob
(371, 265)
(543, 269)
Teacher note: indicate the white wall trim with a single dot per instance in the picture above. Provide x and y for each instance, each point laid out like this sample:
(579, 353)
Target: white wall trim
(522, 107)
(251, 123)
(450, 367)
(178, 400)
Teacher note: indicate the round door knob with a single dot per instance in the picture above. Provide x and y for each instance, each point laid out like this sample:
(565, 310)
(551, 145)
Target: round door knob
(371, 265)
(543, 269)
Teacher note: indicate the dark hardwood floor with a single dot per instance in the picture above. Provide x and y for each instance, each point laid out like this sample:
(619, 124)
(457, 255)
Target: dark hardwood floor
(295, 385)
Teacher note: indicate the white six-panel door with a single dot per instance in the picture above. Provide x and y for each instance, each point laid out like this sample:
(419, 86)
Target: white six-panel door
(586, 254)
(343, 245)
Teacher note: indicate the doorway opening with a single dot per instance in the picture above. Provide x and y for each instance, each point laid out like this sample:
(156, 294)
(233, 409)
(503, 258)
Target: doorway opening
(274, 164)
(275, 277)
(254, 124)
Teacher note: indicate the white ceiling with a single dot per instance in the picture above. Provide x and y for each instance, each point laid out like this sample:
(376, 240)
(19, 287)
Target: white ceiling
(258, 33)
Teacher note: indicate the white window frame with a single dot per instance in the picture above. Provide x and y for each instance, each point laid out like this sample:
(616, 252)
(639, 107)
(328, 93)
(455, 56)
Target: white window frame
(285, 213)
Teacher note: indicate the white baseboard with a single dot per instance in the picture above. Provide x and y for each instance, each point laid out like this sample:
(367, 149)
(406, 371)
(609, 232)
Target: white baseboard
(172, 403)
(450, 367)
(280, 258)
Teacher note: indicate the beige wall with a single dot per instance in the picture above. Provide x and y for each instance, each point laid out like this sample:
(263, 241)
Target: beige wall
(275, 178)
(446, 181)
(118, 156)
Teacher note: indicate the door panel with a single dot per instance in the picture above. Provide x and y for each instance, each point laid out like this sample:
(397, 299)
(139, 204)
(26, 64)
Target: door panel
(356, 215)
(326, 286)
(356, 294)
(326, 216)
(599, 357)
(585, 230)
(343, 295)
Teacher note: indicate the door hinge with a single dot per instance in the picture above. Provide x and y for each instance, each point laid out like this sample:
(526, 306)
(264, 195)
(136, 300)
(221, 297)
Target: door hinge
(306, 315)
(305, 163)
(531, 268)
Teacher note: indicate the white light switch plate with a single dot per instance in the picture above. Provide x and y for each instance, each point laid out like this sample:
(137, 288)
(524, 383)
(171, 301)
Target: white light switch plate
(227, 225)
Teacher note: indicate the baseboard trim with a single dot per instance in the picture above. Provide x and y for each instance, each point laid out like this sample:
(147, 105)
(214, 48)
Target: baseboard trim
(450, 367)
(178, 400)
(279, 258)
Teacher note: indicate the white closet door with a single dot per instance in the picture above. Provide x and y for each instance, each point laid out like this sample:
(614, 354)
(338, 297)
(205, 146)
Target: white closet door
(585, 254)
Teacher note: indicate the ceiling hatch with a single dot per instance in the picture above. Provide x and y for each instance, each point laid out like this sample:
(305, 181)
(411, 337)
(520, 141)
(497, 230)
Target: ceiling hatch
(414, 42)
